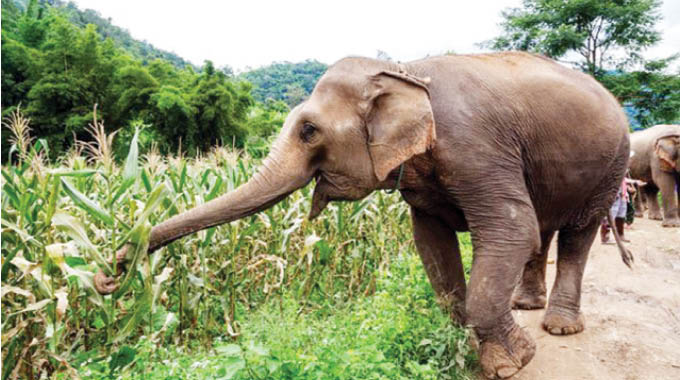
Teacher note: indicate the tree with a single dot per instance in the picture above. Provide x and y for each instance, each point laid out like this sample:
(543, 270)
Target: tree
(267, 118)
(57, 63)
(32, 25)
(295, 95)
(592, 28)
(652, 96)
(382, 55)
(221, 109)
(274, 81)
(598, 31)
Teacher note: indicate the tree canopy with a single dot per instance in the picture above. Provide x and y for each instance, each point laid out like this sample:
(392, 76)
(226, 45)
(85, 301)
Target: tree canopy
(592, 28)
(604, 38)
(57, 71)
(286, 81)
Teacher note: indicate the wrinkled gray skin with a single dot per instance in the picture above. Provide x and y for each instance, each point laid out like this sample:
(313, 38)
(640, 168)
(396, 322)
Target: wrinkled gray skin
(509, 146)
(656, 160)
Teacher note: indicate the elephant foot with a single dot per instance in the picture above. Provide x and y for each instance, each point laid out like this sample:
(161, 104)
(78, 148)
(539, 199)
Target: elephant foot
(528, 300)
(671, 223)
(502, 360)
(654, 216)
(561, 323)
(639, 214)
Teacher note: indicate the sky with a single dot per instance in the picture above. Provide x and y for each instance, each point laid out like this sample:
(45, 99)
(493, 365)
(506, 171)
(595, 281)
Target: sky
(255, 33)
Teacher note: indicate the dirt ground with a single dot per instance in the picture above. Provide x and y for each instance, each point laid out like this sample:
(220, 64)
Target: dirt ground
(632, 317)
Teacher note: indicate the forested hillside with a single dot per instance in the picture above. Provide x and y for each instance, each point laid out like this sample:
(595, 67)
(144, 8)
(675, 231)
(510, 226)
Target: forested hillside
(56, 71)
(121, 37)
(290, 82)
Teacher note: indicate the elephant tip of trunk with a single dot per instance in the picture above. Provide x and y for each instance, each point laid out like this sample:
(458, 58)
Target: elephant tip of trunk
(104, 284)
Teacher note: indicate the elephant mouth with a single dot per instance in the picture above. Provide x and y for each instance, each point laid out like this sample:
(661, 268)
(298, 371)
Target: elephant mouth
(334, 187)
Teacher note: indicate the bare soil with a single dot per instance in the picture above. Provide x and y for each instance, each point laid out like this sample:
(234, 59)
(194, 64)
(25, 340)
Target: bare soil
(632, 317)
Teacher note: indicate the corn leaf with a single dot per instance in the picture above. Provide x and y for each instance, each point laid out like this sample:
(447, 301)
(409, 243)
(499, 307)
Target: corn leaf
(131, 170)
(92, 208)
(75, 230)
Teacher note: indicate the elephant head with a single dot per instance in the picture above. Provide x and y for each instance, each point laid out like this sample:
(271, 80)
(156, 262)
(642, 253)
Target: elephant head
(667, 151)
(364, 118)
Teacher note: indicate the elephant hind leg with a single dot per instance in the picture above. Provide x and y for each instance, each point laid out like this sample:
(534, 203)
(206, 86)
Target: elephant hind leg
(531, 291)
(563, 316)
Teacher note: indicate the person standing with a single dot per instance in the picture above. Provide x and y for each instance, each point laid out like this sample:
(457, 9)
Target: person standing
(618, 213)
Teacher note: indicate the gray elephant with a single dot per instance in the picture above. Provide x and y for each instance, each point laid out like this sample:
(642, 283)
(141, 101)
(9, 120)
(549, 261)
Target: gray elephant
(509, 146)
(656, 160)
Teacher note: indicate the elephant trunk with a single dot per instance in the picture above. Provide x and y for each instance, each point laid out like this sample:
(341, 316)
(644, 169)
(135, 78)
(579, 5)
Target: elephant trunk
(266, 188)
(279, 175)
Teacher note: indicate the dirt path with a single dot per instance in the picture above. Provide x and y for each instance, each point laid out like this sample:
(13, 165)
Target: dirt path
(632, 317)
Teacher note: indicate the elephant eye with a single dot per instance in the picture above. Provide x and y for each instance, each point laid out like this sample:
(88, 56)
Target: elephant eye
(307, 132)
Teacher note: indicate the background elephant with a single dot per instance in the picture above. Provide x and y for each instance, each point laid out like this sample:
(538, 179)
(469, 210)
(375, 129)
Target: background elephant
(510, 146)
(656, 160)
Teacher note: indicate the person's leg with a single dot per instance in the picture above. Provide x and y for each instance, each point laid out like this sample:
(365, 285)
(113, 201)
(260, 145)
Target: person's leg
(613, 211)
(620, 217)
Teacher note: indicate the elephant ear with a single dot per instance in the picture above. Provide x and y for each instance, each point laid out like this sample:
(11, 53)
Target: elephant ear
(667, 149)
(400, 123)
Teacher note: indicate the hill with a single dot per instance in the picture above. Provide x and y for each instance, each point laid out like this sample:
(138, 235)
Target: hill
(121, 37)
(290, 82)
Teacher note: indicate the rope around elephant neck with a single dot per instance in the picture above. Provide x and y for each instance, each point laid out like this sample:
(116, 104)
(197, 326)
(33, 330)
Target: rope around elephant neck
(396, 187)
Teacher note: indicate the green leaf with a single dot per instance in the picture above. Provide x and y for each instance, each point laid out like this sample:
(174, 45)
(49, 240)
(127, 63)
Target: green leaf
(52, 199)
(182, 177)
(216, 188)
(92, 208)
(257, 349)
(229, 350)
(123, 357)
(64, 172)
(146, 181)
(139, 238)
(141, 310)
(131, 170)
(25, 236)
(75, 230)
(232, 365)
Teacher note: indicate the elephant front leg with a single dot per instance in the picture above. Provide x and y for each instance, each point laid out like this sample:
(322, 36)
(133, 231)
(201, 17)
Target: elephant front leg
(505, 235)
(531, 292)
(438, 248)
(667, 185)
(651, 193)
(639, 202)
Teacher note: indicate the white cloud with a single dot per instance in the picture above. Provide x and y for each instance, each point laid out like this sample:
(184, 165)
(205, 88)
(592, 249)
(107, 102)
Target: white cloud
(256, 32)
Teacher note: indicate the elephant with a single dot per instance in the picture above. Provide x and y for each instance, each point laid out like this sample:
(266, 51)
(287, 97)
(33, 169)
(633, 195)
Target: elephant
(510, 146)
(656, 160)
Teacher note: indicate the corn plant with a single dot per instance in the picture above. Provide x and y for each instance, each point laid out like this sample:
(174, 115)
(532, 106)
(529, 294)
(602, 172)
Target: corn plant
(61, 224)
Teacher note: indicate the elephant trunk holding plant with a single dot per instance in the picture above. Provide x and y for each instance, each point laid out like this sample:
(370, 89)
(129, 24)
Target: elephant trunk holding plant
(511, 147)
(656, 161)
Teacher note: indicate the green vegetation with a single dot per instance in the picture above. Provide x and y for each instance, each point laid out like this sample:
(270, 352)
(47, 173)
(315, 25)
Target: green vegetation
(57, 72)
(270, 296)
(290, 82)
(597, 32)
(121, 37)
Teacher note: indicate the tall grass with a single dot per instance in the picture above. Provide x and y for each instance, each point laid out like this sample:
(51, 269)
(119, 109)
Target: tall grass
(62, 224)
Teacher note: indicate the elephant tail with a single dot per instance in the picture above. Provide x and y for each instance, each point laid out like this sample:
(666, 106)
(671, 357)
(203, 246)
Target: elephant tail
(626, 254)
